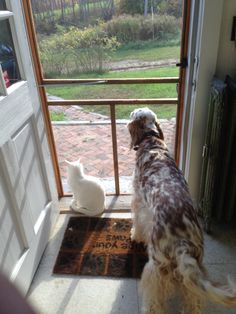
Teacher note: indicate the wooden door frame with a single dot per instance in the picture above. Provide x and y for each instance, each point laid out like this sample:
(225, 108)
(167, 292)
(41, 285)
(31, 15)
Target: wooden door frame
(39, 78)
(111, 102)
(184, 49)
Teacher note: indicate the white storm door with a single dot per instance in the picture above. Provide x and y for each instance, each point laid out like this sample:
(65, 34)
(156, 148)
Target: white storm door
(28, 196)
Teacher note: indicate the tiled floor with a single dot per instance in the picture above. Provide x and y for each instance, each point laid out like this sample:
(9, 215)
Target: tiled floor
(55, 294)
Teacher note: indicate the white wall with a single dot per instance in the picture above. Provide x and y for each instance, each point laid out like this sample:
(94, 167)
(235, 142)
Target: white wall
(226, 61)
(210, 22)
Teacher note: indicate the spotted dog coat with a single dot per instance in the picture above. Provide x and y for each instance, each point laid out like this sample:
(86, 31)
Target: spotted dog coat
(165, 219)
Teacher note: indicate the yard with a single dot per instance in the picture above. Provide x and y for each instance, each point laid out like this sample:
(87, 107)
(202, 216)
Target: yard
(123, 91)
(107, 39)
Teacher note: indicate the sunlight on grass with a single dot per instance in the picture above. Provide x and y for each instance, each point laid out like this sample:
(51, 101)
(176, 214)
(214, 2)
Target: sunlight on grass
(142, 91)
(123, 111)
(57, 116)
(147, 54)
(120, 91)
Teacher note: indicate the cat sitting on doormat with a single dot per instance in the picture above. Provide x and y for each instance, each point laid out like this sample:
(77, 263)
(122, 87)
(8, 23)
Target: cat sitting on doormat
(88, 191)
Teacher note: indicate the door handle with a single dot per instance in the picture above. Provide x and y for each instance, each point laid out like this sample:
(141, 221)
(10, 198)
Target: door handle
(183, 63)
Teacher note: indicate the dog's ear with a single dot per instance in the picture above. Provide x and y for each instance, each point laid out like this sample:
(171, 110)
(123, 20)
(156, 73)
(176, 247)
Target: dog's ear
(136, 130)
(161, 135)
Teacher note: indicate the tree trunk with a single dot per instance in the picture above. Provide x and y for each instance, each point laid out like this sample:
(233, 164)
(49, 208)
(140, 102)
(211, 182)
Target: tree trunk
(62, 10)
(73, 8)
(145, 7)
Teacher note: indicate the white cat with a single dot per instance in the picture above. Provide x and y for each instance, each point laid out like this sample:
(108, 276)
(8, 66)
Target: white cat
(88, 192)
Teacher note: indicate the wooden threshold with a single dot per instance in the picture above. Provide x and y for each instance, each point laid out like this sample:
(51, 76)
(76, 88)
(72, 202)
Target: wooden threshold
(114, 204)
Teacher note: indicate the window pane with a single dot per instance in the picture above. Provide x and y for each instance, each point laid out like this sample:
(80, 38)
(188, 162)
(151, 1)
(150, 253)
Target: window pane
(2, 5)
(7, 55)
(82, 134)
(84, 38)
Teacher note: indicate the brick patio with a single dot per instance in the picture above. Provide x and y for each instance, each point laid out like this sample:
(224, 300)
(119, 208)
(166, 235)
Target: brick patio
(83, 138)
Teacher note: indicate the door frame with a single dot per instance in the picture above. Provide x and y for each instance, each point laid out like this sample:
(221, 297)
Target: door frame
(184, 65)
(205, 26)
(42, 82)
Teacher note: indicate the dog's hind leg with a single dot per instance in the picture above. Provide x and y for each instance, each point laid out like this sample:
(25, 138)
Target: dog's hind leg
(153, 290)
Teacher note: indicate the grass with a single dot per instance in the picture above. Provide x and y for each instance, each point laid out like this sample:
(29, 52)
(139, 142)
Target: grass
(123, 111)
(146, 52)
(119, 91)
(57, 116)
(123, 91)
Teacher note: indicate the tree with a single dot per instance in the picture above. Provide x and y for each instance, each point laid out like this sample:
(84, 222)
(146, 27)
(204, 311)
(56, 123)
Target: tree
(131, 7)
(145, 7)
(62, 10)
(170, 7)
(174, 8)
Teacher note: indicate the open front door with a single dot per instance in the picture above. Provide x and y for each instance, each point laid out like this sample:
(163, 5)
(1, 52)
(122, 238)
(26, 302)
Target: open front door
(28, 196)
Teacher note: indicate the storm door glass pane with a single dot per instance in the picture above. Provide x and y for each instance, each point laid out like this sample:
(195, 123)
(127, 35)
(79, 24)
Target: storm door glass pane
(8, 59)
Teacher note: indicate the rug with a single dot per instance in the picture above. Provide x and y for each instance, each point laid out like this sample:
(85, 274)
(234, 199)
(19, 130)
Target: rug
(95, 246)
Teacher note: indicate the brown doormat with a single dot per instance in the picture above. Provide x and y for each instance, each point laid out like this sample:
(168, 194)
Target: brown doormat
(100, 247)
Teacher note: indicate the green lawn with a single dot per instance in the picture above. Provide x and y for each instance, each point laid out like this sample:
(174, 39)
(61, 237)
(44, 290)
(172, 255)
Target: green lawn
(123, 111)
(57, 116)
(120, 91)
(123, 91)
(147, 53)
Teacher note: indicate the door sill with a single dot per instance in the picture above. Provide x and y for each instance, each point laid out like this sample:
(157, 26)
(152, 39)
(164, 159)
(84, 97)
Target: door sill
(114, 204)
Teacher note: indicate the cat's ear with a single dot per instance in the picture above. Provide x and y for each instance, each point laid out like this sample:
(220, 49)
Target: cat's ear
(67, 162)
(78, 161)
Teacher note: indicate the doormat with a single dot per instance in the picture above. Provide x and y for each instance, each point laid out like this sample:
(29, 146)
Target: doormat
(95, 246)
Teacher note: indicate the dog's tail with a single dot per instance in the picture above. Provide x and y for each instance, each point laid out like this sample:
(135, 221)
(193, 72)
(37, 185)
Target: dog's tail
(197, 281)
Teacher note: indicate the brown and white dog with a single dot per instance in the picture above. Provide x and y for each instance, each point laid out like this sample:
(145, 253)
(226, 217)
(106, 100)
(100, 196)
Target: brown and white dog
(164, 218)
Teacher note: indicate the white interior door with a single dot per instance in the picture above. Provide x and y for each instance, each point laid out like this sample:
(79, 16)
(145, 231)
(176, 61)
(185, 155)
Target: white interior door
(28, 196)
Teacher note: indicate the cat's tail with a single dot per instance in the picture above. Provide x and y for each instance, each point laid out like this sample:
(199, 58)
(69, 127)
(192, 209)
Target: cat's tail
(86, 211)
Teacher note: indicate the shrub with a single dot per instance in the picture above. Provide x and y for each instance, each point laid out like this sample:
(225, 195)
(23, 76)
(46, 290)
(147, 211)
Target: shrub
(130, 7)
(126, 28)
(90, 47)
(129, 28)
(77, 50)
(53, 54)
(159, 27)
(45, 26)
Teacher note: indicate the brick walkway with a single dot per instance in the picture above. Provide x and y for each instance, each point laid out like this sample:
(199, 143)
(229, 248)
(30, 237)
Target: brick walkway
(93, 143)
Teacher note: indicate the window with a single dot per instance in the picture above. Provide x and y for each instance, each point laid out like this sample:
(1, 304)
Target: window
(9, 70)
